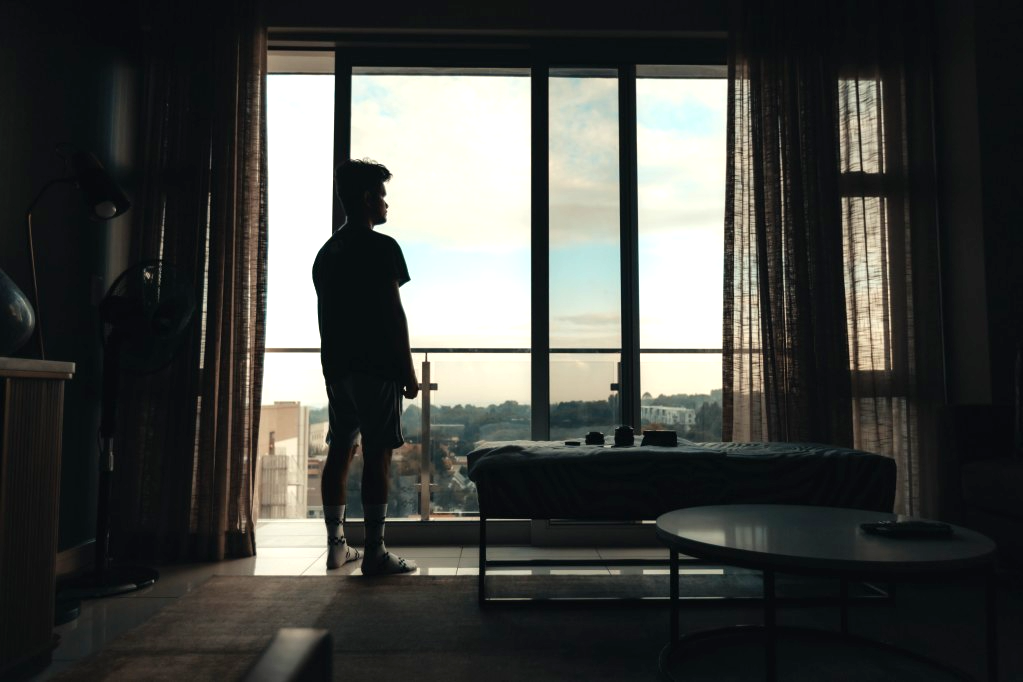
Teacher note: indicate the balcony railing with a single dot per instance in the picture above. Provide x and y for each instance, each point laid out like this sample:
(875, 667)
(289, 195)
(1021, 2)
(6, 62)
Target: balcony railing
(429, 480)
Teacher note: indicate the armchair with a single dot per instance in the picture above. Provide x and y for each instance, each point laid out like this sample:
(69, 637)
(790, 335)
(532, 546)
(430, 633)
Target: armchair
(988, 490)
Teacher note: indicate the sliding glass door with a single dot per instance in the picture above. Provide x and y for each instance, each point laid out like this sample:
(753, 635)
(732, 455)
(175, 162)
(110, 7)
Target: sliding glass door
(292, 428)
(542, 309)
(458, 146)
(681, 179)
(584, 285)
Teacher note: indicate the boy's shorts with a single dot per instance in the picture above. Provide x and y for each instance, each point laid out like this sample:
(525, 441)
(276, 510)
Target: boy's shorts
(368, 404)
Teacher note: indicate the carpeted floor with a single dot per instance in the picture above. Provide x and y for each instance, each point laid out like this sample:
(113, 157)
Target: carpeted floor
(430, 628)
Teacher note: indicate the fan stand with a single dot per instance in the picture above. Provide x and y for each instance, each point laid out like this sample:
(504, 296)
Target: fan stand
(105, 579)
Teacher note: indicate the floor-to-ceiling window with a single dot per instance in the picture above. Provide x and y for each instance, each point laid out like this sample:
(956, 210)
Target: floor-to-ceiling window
(680, 139)
(584, 246)
(458, 146)
(462, 144)
(300, 126)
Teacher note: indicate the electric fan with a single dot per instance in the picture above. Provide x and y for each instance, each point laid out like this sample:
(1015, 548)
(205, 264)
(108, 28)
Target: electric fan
(144, 317)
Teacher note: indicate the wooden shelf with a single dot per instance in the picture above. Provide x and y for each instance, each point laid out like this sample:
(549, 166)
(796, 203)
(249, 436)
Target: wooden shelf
(31, 419)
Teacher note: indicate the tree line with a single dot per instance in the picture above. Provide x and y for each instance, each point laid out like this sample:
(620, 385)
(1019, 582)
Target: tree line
(510, 419)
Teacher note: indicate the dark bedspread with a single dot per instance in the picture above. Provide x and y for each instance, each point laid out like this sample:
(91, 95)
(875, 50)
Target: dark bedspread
(550, 480)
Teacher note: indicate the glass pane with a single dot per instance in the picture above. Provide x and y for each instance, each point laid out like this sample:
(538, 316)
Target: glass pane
(479, 397)
(682, 392)
(300, 134)
(459, 149)
(582, 399)
(681, 145)
(867, 293)
(861, 133)
(292, 448)
(585, 293)
(292, 428)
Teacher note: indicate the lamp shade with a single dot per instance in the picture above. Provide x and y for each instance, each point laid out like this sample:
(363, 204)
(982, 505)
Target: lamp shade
(105, 199)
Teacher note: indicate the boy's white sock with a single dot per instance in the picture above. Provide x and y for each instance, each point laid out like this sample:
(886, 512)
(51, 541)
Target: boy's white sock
(338, 551)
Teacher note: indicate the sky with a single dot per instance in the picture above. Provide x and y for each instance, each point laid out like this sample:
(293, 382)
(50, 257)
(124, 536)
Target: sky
(459, 149)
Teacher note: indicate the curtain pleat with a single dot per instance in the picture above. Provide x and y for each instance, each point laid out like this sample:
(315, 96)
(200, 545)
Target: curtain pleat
(190, 430)
(831, 259)
(786, 351)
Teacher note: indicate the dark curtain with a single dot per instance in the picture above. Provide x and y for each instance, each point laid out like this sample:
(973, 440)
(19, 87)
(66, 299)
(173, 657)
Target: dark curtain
(187, 434)
(832, 318)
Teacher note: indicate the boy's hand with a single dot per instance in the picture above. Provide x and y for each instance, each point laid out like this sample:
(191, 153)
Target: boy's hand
(411, 388)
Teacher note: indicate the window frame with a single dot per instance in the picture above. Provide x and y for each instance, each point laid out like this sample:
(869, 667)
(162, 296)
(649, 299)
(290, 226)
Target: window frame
(703, 56)
(860, 185)
(700, 57)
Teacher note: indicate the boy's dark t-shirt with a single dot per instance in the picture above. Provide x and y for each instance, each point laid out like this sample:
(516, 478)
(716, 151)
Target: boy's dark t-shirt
(353, 274)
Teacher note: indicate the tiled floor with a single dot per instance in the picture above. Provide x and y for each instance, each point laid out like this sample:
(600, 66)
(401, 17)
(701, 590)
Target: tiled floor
(287, 549)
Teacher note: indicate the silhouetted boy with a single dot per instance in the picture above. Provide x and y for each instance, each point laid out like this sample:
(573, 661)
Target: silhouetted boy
(366, 358)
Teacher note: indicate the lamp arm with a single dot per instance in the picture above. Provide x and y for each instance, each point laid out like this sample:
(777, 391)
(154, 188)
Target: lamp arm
(32, 259)
(48, 185)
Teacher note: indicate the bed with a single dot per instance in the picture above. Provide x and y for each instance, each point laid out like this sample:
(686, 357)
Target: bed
(552, 480)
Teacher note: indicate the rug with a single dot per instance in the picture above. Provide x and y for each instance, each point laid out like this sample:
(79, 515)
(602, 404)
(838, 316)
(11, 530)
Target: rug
(431, 629)
(402, 628)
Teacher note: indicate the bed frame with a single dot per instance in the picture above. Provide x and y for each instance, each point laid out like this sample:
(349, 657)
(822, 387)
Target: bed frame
(549, 480)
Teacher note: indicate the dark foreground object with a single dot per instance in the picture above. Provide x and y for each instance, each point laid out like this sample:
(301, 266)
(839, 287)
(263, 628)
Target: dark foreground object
(296, 655)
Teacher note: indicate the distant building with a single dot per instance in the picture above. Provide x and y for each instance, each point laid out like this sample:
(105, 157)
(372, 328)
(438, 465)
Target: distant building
(317, 460)
(314, 498)
(460, 480)
(318, 436)
(669, 416)
(282, 467)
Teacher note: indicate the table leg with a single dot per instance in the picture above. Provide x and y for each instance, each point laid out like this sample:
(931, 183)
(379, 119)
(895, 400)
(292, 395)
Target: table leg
(674, 598)
(770, 631)
(991, 589)
(481, 589)
(843, 587)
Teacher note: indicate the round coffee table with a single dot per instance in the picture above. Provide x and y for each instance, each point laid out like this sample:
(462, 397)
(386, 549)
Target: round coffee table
(819, 541)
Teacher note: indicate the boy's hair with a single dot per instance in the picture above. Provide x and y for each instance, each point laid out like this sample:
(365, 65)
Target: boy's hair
(355, 176)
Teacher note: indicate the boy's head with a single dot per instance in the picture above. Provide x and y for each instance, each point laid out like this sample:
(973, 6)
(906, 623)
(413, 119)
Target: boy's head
(359, 185)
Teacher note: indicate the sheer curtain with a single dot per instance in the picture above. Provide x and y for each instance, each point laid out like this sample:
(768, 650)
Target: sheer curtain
(832, 322)
(187, 435)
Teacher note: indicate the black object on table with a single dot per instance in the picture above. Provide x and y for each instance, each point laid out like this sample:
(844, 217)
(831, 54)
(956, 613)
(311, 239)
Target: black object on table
(667, 439)
(907, 529)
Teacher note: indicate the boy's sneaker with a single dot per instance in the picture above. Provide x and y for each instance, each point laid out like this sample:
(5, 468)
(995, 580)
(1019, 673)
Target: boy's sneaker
(339, 553)
(386, 564)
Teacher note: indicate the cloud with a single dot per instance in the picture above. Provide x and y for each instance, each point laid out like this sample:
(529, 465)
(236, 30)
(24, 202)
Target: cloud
(460, 151)
(681, 179)
(682, 99)
(699, 215)
(591, 320)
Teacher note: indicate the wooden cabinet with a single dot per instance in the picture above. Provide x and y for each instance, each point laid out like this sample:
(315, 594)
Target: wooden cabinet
(31, 416)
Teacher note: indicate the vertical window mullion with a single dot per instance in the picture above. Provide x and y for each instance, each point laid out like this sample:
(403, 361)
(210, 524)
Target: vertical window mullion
(539, 252)
(342, 124)
(629, 381)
